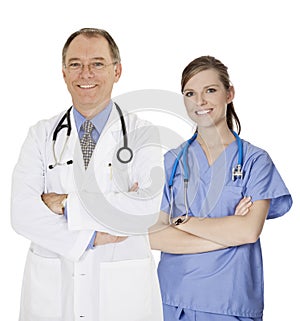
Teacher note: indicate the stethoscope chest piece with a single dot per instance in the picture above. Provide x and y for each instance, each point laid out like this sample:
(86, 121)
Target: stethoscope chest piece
(124, 155)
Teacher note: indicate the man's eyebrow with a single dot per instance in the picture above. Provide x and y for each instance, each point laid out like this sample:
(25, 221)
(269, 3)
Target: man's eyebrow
(94, 58)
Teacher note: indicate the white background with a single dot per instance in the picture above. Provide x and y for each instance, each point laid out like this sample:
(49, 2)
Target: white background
(257, 40)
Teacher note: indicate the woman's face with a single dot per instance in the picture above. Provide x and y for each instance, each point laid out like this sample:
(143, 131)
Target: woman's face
(206, 99)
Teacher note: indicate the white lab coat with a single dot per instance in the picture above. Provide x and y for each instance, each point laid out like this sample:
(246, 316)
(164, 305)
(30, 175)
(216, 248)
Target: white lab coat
(62, 280)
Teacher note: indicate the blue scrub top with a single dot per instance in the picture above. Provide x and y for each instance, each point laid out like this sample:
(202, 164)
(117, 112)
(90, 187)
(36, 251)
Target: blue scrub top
(228, 281)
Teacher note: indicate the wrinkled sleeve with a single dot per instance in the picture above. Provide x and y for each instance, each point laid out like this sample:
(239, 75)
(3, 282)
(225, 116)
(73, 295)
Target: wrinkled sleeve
(169, 159)
(265, 182)
(30, 217)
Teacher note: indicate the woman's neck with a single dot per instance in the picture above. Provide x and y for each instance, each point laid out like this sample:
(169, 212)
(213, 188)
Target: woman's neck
(214, 141)
(214, 137)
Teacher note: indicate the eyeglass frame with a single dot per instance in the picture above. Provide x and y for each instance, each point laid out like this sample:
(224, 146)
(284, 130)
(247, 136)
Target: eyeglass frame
(90, 66)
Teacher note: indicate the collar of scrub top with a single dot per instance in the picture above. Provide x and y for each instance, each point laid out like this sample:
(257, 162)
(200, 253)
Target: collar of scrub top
(98, 121)
(236, 173)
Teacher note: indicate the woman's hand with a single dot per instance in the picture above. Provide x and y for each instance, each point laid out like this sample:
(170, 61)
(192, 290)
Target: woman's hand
(243, 206)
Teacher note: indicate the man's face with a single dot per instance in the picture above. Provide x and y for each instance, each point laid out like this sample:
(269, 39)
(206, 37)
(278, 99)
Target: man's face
(90, 73)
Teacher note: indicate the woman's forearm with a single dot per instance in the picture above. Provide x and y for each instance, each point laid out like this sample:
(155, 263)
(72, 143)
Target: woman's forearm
(230, 230)
(171, 240)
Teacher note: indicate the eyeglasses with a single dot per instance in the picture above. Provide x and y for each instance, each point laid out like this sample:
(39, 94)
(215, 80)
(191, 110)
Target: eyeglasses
(93, 66)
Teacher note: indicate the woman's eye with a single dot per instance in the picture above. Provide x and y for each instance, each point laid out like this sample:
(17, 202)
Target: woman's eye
(211, 90)
(188, 94)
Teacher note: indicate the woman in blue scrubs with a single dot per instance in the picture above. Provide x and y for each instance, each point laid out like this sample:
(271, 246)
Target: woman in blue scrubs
(211, 264)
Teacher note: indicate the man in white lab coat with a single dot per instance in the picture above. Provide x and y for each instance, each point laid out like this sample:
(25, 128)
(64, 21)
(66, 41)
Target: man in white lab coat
(86, 261)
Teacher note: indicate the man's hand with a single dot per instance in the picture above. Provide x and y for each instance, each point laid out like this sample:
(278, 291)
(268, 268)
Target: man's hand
(134, 187)
(243, 206)
(54, 202)
(103, 238)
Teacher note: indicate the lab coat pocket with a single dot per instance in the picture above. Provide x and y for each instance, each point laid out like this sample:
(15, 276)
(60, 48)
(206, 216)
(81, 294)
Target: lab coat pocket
(42, 287)
(126, 290)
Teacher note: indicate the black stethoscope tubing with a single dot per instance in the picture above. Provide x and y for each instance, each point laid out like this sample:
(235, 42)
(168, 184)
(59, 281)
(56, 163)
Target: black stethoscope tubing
(61, 125)
(125, 140)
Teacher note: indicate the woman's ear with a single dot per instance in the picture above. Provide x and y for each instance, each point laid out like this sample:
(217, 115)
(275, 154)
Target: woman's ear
(230, 94)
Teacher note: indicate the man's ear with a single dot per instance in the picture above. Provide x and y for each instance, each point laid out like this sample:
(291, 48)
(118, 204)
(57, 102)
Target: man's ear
(118, 71)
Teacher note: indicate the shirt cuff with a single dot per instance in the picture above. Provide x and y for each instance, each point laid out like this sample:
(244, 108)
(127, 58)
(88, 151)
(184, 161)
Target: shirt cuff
(91, 244)
(66, 212)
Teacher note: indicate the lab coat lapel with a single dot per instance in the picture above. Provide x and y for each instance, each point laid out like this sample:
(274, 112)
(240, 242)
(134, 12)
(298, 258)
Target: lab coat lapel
(61, 140)
(74, 149)
(108, 138)
(107, 141)
(60, 178)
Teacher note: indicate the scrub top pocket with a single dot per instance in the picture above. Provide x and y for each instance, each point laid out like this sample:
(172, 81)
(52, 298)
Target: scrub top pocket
(231, 196)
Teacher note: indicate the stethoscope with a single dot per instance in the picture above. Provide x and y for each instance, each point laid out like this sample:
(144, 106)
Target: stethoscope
(124, 154)
(235, 173)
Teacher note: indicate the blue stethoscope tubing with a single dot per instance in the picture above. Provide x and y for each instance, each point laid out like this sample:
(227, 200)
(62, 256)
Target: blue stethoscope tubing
(236, 173)
(61, 125)
(240, 151)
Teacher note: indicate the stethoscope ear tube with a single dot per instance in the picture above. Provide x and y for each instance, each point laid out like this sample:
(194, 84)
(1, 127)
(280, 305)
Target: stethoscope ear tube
(58, 128)
(60, 125)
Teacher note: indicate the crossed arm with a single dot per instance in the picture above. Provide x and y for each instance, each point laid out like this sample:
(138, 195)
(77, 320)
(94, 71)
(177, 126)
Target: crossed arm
(54, 202)
(209, 234)
(197, 234)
